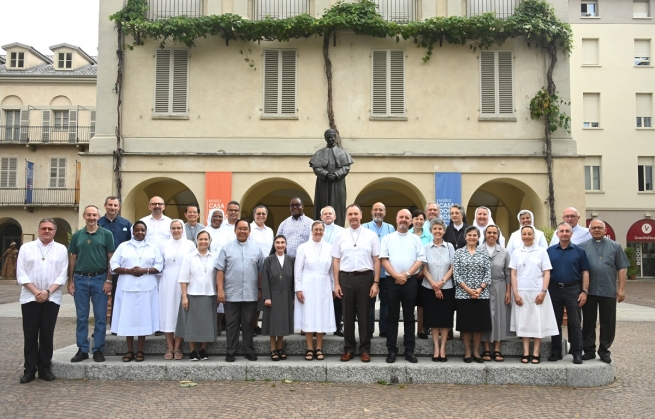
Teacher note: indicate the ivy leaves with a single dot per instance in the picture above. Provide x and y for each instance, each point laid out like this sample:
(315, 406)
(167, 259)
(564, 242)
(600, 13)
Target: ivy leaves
(545, 104)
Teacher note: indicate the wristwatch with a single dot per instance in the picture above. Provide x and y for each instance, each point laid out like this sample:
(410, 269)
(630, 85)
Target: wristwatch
(585, 291)
(108, 280)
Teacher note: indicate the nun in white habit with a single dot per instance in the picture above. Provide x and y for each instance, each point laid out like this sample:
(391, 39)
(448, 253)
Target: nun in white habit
(220, 237)
(526, 218)
(483, 219)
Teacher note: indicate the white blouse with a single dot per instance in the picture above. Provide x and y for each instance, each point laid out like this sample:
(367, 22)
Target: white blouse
(141, 254)
(530, 264)
(198, 272)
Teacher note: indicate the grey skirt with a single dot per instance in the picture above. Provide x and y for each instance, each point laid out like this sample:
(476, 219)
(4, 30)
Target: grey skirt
(198, 323)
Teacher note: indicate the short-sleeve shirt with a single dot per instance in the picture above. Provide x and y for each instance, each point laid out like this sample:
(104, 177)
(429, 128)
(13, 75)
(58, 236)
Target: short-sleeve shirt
(606, 258)
(530, 264)
(198, 271)
(439, 259)
(568, 263)
(120, 228)
(241, 263)
(402, 250)
(384, 230)
(91, 249)
(356, 249)
(296, 231)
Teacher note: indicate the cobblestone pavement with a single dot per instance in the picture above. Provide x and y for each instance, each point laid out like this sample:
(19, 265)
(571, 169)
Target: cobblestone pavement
(630, 396)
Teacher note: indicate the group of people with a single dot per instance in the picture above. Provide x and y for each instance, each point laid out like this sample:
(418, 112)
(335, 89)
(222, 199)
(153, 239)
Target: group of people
(183, 279)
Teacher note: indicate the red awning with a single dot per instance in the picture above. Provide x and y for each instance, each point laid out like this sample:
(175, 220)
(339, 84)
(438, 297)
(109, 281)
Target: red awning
(643, 231)
(609, 231)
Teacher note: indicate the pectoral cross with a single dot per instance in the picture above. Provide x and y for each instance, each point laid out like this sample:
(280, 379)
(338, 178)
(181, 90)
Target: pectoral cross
(88, 241)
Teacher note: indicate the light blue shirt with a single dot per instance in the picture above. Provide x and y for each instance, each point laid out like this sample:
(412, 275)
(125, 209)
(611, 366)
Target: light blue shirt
(241, 263)
(579, 236)
(402, 250)
(331, 232)
(384, 230)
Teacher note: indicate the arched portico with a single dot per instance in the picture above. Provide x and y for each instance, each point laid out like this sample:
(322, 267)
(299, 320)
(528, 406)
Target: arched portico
(10, 231)
(64, 231)
(176, 196)
(394, 193)
(275, 193)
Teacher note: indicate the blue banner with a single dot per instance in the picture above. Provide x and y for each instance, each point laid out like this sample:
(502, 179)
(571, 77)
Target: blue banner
(447, 191)
(29, 182)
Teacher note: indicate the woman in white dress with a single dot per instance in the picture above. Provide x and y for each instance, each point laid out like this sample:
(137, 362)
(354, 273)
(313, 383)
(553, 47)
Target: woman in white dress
(314, 284)
(482, 220)
(526, 218)
(173, 251)
(136, 310)
(532, 310)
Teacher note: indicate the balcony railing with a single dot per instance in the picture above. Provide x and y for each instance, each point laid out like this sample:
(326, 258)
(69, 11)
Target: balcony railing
(279, 9)
(399, 11)
(161, 9)
(502, 8)
(46, 134)
(39, 197)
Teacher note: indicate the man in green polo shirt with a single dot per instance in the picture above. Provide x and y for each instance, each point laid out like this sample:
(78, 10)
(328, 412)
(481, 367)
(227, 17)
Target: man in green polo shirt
(89, 279)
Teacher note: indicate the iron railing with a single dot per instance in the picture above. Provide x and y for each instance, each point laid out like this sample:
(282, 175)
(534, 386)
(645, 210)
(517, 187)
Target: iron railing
(64, 134)
(278, 9)
(161, 9)
(502, 8)
(39, 196)
(399, 11)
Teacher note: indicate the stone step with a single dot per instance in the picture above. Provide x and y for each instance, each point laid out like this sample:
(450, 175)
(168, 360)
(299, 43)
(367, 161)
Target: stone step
(296, 345)
(563, 373)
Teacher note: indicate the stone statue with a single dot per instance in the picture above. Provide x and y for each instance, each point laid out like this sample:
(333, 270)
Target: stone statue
(331, 164)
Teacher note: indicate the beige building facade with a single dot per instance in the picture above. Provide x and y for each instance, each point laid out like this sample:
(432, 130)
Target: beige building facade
(613, 82)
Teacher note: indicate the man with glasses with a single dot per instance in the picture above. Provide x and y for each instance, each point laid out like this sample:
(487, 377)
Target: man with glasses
(262, 236)
(571, 216)
(296, 228)
(159, 225)
(332, 230)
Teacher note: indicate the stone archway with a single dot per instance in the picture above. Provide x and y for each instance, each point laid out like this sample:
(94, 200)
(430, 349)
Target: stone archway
(394, 193)
(175, 194)
(10, 231)
(275, 193)
(505, 197)
(64, 231)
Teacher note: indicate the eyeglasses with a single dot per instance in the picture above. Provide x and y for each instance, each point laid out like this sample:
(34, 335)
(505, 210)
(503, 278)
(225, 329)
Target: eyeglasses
(157, 204)
(571, 216)
(596, 228)
(260, 214)
(295, 205)
(47, 229)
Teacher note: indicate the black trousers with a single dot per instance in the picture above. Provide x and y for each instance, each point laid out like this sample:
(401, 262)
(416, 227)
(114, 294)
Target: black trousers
(405, 294)
(606, 307)
(356, 301)
(39, 321)
(242, 314)
(338, 312)
(567, 297)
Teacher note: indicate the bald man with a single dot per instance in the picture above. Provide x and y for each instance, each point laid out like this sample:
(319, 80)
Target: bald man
(159, 225)
(580, 234)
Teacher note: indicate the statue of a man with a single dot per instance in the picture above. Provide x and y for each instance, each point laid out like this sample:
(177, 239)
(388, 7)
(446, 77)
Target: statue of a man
(331, 164)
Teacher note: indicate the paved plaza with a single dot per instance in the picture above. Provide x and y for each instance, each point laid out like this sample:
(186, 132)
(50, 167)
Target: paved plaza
(631, 395)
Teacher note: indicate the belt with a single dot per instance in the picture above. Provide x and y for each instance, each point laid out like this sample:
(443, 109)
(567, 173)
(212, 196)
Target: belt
(90, 274)
(565, 284)
(355, 273)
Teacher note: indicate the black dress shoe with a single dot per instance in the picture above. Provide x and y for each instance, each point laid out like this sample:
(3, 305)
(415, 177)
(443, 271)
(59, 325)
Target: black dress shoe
(251, 357)
(80, 356)
(422, 335)
(383, 334)
(27, 377)
(588, 355)
(339, 332)
(98, 356)
(411, 358)
(47, 375)
(576, 359)
(391, 358)
(606, 358)
(554, 357)
(229, 358)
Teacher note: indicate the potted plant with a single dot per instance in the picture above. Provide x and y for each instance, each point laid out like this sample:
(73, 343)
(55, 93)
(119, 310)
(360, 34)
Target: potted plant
(632, 269)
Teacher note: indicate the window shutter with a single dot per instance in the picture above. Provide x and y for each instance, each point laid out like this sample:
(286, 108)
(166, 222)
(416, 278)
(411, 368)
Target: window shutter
(590, 52)
(45, 126)
(644, 105)
(642, 48)
(8, 172)
(92, 129)
(180, 80)
(379, 90)
(271, 81)
(397, 83)
(24, 124)
(591, 107)
(53, 173)
(639, 8)
(505, 83)
(162, 80)
(288, 82)
(487, 83)
(72, 126)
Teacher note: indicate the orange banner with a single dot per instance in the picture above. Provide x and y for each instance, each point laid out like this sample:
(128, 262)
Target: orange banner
(218, 191)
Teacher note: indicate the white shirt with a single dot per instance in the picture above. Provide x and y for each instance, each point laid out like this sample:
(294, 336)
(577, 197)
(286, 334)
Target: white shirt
(158, 230)
(515, 240)
(356, 249)
(402, 250)
(220, 238)
(331, 232)
(262, 237)
(530, 264)
(579, 236)
(32, 268)
(141, 254)
(198, 272)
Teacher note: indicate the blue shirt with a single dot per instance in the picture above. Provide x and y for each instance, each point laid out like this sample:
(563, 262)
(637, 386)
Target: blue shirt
(382, 231)
(241, 263)
(120, 228)
(568, 263)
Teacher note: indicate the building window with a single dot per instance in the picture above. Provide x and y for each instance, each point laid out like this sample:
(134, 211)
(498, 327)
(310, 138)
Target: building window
(279, 9)
(645, 174)
(12, 126)
(399, 11)
(61, 119)
(280, 82)
(591, 110)
(644, 110)
(589, 8)
(388, 83)
(592, 174)
(17, 60)
(496, 84)
(641, 8)
(590, 52)
(8, 172)
(65, 60)
(162, 9)
(171, 81)
(57, 172)
(642, 52)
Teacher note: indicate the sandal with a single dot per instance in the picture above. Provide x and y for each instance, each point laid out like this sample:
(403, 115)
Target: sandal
(319, 355)
(140, 356)
(309, 355)
(536, 359)
(178, 355)
(168, 355)
(498, 357)
(525, 359)
(128, 356)
(274, 356)
(486, 356)
(281, 354)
